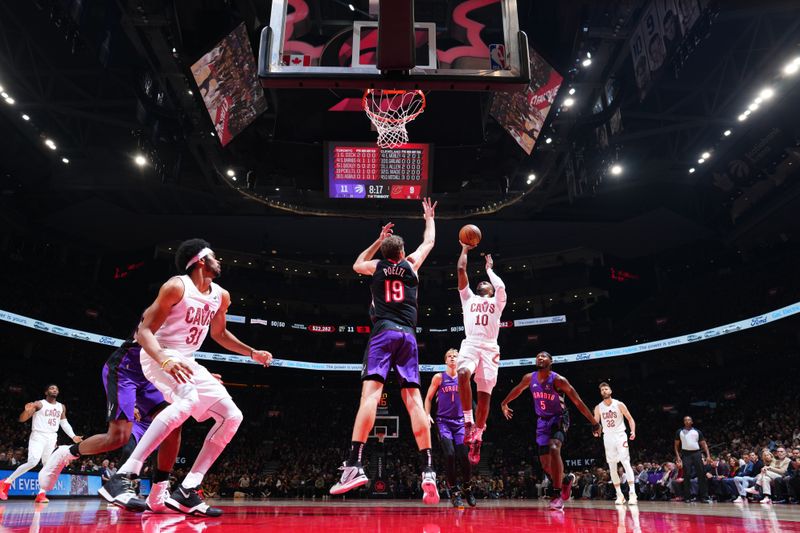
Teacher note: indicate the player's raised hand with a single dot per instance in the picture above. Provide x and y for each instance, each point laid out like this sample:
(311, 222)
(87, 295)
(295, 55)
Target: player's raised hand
(386, 231)
(489, 262)
(428, 209)
(507, 411)
(466, 246)
(262, 357)
(77, 439)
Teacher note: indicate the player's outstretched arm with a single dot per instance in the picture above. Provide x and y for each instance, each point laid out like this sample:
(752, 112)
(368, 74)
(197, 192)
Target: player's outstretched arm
(67, 427)
(513, 394)
(428, 237)
(461, 266)
(562, 385)
(498, 284)
(30, 408)
(364, 263)
(434, 386)
(629, 417)
(226, 339)
(153, 318)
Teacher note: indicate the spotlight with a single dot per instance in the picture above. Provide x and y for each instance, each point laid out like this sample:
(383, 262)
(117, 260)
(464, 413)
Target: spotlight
(531, 177)
(727, 133)
(758, 100)
(190, 93)
(548, 140)
(233, 178)
(701, 161)
(50, 144)
(616, 169)
(586, 62)
(752, 107)
(742, 117)
(569, 102)
(572, 90)
(25, 117)
(767, 93)
(140, 160)
(792, 67)
(65, 160)
(705, 155)
(747, 113)
(10, 101)
(352, 8)
(691, 170)
(230, 172)
(4, 94)
(174, 50)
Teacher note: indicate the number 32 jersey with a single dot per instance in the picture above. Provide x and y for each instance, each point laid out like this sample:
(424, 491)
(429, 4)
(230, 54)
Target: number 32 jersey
(189, 320)
(394, 294)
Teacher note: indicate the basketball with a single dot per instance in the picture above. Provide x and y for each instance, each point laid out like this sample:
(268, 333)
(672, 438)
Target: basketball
(470, 234)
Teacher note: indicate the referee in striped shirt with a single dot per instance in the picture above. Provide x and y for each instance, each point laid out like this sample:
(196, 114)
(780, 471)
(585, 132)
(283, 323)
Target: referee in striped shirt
(688, 440)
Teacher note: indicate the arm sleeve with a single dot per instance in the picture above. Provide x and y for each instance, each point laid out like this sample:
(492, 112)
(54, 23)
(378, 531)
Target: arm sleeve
(499, 288)
(465, 294)
(67, 428)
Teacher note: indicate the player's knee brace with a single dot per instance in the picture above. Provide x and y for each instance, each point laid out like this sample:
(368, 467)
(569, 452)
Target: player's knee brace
(228, 422)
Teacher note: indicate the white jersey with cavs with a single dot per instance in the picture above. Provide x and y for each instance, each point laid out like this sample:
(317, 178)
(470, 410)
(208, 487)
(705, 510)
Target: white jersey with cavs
(479, 351)
(615, 440)
(183, 331)
(44, 432)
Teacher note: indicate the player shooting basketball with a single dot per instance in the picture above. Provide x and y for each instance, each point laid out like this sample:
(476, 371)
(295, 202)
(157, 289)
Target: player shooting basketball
(479, 354)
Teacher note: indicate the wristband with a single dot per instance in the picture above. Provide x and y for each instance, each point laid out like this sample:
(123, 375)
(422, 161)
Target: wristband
(167, 361)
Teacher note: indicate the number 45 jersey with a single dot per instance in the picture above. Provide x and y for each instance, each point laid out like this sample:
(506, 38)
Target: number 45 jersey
(189, 320)
(394, 294)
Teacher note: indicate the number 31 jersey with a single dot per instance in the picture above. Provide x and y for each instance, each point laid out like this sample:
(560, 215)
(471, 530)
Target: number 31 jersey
(394, 294)
(481, 317)
(189, 320)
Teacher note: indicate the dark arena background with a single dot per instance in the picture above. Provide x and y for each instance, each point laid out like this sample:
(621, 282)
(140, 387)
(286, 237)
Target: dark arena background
(633, 167)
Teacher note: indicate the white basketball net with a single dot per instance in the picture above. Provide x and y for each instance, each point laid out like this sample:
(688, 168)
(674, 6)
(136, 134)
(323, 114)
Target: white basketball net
(390, 111)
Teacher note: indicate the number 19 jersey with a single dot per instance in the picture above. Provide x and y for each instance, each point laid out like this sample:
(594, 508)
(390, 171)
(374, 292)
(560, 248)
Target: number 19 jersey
(189, 320)
(394, 294)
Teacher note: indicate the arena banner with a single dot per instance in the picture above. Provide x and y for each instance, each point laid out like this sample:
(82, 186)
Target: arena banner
(67, 485)
(226, 78)
(726, 329)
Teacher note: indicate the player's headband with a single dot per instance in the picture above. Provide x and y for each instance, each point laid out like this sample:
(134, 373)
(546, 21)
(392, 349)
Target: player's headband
(200, 255)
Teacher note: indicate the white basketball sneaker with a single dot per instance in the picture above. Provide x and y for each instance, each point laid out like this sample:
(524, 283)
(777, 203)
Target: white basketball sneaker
(431, 494)
(633, 500)
(48, 475)
(352, 478)
(620, 499)
(156, 500)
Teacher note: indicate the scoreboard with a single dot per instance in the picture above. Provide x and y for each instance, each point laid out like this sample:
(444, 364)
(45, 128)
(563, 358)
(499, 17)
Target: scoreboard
(365, 170)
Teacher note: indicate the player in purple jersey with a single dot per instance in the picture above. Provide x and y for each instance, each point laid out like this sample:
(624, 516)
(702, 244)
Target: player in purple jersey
(548, 390)
(132, 402)
(450, 421)
(392, 345)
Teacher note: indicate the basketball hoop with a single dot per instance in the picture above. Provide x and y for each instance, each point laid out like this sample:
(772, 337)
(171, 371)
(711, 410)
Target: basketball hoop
(390, 111)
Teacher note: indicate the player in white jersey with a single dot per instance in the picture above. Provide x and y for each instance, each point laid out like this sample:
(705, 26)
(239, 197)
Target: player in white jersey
(187, 308)
(479, 354)
(611, 415)
(48, 415)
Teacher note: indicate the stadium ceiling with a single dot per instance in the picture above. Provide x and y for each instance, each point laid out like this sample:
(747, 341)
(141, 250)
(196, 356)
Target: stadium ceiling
(108, 91)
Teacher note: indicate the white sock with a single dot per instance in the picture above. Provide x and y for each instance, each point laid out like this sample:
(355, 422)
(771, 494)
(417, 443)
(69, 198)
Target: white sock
(468, 417)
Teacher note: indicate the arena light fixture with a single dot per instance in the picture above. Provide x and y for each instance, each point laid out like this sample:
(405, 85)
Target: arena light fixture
(691, 170)
(548, 140)
(705, 155)
(190, 92)
(25, 117)
(792, 68)
(50, 144)
(747, 113)
(230, 173)
(727, 133)
(531, 177)
(140, 160)
(616, 169)
(701, 161)
(572, 90)
(4, 94)
(65, 160)
(569, 102)
(742, 117)
(752, 107)
(10, 101)
(767, 93)
(351, 6)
